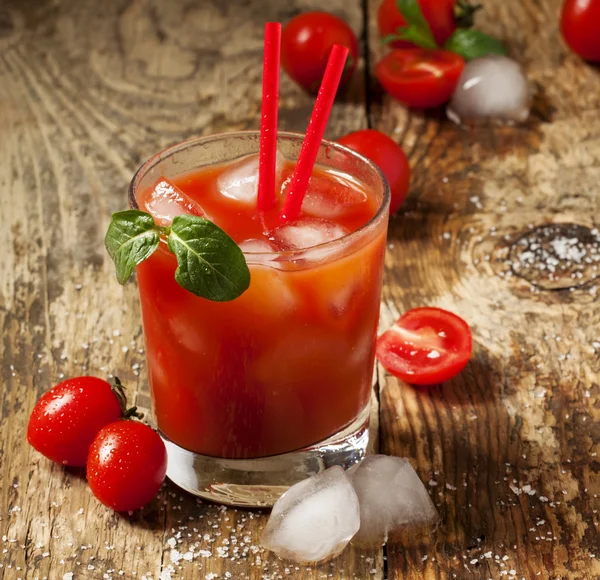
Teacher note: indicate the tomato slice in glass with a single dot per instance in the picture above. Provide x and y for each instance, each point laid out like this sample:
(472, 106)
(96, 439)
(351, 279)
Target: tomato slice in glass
(420, 77)
(426, 346)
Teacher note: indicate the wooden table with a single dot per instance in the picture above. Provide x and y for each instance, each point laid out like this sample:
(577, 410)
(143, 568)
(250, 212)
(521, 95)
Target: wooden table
(498, 228)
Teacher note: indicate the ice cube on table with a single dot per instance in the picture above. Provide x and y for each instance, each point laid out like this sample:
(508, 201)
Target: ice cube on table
(307, 232)
(240, 180)
(494, 87)
(332, 197)
(391, 497)
(315, 519)
(168, 201)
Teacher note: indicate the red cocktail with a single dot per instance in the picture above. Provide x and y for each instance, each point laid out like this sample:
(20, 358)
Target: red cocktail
(288, 365)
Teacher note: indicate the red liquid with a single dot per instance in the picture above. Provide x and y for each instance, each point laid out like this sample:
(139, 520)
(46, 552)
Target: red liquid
(286, 364)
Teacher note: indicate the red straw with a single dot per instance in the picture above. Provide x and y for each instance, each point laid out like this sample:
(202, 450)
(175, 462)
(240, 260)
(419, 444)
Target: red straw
(314, 133)
(268, 120)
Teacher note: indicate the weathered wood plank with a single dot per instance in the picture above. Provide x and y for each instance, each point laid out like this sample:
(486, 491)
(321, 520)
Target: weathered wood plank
(87, 91)
(510, 446)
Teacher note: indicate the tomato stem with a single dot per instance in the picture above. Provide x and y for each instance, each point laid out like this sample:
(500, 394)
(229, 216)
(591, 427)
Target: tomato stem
(132, 412)
(119, 391)
(464, 13)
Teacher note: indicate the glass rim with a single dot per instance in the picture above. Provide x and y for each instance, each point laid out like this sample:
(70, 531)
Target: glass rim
(286, 254)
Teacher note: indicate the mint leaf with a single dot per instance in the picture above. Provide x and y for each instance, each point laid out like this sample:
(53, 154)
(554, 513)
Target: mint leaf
(411, 10)
(211, 264)
(415, 35)
(472, 44)
(130, 239)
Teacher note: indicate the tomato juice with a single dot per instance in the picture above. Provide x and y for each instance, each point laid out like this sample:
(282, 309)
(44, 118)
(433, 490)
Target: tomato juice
(288, 363)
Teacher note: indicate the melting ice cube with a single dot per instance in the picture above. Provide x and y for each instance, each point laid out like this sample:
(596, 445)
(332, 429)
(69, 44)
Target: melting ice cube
(168, 201)
(255, 246)
(332, 197)
(391, 497)
(494, 86)
(307, 232)
(261, 248)
(315, 519)
(240, 180)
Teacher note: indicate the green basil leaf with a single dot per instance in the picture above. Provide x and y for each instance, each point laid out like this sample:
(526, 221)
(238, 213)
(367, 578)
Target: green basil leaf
(411, 10)
(130, 239)
(415, 35)
(472, 44)
(210, 263)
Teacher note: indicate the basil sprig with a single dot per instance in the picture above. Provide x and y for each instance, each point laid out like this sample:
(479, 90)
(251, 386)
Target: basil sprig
(210, 263)
(466, 42)
(132, 237)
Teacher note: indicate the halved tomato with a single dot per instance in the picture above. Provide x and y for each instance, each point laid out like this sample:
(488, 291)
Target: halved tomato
(426, 346)
(420, 77)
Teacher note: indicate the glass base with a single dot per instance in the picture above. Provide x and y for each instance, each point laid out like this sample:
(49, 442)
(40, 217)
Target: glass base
(259, 482)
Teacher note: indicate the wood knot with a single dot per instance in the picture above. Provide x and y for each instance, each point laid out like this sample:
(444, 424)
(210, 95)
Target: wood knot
(556, 256)
(11, 27)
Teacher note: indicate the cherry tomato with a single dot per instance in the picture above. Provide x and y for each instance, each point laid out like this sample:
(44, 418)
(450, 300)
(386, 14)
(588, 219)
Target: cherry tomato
(425, 346)
(126, 465)
(388, 156)
(306, 42)
(66, 419)
(420, 77)
(580, 27)
(438, 13)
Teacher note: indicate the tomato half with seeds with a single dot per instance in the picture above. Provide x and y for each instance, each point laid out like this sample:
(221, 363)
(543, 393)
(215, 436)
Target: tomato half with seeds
(426, 346)
(420, 77)
(306, 41)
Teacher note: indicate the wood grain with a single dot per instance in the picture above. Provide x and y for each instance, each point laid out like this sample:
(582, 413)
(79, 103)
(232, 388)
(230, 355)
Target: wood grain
(509, 447)
(87, 92)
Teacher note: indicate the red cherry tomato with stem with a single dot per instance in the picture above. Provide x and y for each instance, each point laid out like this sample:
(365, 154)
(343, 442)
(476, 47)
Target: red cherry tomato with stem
(580, 27)
(306, 41)
(388, 156)
(420, 77)
(66, 419)
(126, 465)
(438, 13)
(425, 346)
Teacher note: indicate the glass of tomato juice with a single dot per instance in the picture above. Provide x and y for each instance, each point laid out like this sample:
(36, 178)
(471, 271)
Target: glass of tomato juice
(255, 394)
